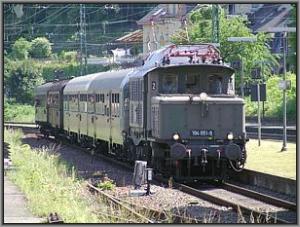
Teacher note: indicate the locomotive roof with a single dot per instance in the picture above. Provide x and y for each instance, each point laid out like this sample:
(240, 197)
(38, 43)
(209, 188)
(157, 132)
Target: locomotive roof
(43, 89)
(179, 56)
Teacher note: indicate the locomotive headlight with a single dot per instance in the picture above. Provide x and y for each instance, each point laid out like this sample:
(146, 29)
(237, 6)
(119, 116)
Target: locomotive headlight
(176, 136)
(230, 136)
(203, 96)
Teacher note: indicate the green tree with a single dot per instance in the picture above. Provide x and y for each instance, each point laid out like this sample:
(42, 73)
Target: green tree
(40, 48)
(20, 49)
(252, 54)
(21, 77)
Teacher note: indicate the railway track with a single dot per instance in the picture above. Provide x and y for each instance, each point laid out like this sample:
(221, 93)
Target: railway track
(275, 136)
(259, 215)
(144, 214)
(117, 203)
(259, 196)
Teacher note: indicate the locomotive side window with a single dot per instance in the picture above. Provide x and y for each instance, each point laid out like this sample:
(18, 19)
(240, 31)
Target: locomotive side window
(215, 84)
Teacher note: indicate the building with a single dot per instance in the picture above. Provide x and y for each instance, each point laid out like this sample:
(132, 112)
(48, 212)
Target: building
(160, 23)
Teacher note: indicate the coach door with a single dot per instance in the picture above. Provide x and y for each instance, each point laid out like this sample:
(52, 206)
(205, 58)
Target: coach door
(107, 113)
(115, 118)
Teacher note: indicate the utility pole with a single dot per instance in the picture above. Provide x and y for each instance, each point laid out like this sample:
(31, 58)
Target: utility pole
(242, 78)
(83, 40)
(215, 23)
(284, 148)
(85, 45)
(284, 30)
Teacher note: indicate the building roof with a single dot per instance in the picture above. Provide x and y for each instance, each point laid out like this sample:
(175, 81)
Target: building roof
(269, 15)
(161, 11)
(133, 37)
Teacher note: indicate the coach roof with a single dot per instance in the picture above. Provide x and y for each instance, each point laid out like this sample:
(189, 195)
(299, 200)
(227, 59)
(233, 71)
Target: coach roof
(43, 89)
(109, 80)
(79, 84)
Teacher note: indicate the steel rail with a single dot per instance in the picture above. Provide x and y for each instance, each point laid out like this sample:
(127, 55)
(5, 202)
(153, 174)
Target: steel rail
(20, 123)
(236, 207)
(115, 201)
(259, 196)
(162, 215)
(223, 202)
(274, 136)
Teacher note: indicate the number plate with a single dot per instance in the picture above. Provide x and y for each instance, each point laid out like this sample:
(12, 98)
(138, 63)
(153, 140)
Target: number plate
(204, 133)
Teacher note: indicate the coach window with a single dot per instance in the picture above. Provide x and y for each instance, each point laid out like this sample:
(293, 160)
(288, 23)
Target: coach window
(66, 103)
(83, 103)
(97, 98)
(75, 102)
(91, 103)
(113, 104)
(55, 100)
(117, 105)
(37, 101)
(102, 99)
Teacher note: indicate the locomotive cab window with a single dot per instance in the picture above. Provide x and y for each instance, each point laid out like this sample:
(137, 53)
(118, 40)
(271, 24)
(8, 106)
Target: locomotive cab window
(169, 84)
(192, 84)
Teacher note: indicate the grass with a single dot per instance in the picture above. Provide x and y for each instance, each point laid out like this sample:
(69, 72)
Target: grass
(50, 185)
(16, 112)
(269, 159)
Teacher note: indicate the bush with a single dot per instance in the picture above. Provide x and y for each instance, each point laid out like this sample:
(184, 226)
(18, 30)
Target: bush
(106, 185)
(274, 104)
(20, 49)
(15, 112)
(68, 56)
(40, 48)
(68, 69)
